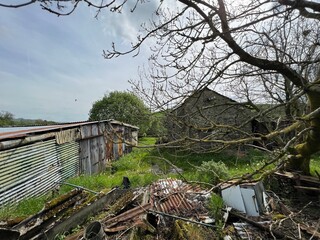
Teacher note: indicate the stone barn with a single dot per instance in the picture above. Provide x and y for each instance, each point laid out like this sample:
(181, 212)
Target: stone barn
(207, 115)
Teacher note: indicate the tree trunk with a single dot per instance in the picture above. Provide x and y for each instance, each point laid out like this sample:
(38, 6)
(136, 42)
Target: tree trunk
(302, 152)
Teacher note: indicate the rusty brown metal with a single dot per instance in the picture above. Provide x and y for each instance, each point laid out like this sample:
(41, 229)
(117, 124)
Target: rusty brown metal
(174, 196)
(40, 129)
(126, 216)
(167, 197)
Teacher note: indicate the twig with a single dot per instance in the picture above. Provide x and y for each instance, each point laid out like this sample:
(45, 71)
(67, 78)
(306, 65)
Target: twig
(182, 218)
(274, 233)
(316, 230)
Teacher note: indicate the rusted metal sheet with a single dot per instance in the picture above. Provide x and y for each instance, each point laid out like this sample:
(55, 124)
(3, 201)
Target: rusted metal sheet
(39, 130)
(69, 135)
(130, 214)
(93, 154)
(42, 129)
(64, 213)
(85, 163)
(120, 141)
(166, 197)
(93, 130)
(174, 196)
(8, 144)
(31, 226)
(109, 148)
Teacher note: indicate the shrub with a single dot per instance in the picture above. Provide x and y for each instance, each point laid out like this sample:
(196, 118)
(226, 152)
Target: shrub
(213, 171)
(215, 206)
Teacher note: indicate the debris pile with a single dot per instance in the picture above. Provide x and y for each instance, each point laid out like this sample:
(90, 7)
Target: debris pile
(260, 214)
(59, 215)
(160, 210)
(172, 209)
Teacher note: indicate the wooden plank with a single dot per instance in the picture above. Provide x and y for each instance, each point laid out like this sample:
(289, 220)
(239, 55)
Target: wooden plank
(314, 189)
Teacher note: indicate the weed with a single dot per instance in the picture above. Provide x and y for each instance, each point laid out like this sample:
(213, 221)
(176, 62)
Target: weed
(215, 206)
(315, 165)
(24, 208)
(213, 172)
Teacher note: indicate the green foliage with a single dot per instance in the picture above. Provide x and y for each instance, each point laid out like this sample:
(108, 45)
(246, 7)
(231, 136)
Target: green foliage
(315, 165)
(237, 164)
(6, 119)
(124, 107)
(157, 126)
(24, 208)
(213, 171)
(32, 122)
(132, 165)
(215, 206)
(147, 141)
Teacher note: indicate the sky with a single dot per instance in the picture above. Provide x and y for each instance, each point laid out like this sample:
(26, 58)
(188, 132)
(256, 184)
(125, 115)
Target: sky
(52, 67)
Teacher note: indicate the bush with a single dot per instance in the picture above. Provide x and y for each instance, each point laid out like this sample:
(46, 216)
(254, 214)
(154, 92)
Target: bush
(213, 171)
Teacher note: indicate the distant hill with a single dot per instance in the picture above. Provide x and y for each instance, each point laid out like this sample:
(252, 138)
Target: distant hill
(19, 122)
(31, 122)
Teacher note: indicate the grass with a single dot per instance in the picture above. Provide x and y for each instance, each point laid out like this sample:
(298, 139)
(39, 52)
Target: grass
(315, 165)
(132, 165)
(24, 208)
(237, 164)
(145, 165)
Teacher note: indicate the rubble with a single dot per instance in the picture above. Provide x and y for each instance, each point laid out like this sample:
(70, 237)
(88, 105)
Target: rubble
(165, 198)
(294, 219)
(169, 209)
(63, 213)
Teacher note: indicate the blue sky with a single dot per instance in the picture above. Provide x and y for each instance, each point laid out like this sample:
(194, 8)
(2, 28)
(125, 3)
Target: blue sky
(52, 67)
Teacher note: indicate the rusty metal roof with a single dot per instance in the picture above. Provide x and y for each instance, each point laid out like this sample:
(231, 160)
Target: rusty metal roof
(41, 129)
(165, 196)
(175, 196)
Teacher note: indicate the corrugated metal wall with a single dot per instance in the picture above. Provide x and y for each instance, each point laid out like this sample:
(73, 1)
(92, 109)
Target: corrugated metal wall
(28, 171)
(36, 168)
(69, 159)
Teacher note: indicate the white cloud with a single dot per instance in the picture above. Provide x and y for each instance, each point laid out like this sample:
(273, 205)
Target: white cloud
(47, 62)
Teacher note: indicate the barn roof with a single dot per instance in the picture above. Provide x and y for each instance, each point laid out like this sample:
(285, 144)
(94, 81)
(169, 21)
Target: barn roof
(18, 132)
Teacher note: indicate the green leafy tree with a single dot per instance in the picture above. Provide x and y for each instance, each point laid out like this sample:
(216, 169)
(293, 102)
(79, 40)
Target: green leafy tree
(157, 126)
(6, 118)
(122, 106)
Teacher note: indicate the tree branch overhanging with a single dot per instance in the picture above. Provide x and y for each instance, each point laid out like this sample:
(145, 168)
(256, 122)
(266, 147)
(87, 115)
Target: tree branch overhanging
(18, 5)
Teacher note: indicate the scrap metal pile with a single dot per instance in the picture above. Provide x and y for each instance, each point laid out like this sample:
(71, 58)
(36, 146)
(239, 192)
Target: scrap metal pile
(159, 210)
(169, 209)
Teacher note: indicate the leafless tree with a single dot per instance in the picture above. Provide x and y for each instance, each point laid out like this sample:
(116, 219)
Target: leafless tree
(269, 48)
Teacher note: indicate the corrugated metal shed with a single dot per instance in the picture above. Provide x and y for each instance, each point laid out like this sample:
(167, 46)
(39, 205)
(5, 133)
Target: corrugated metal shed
(29, 170)
(33, 160)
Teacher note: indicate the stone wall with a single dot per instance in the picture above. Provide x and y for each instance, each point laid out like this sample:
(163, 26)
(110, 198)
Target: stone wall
(208, 115)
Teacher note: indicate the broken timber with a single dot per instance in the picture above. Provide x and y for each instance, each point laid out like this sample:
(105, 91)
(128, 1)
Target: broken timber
(302, 182)
(54, 219)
